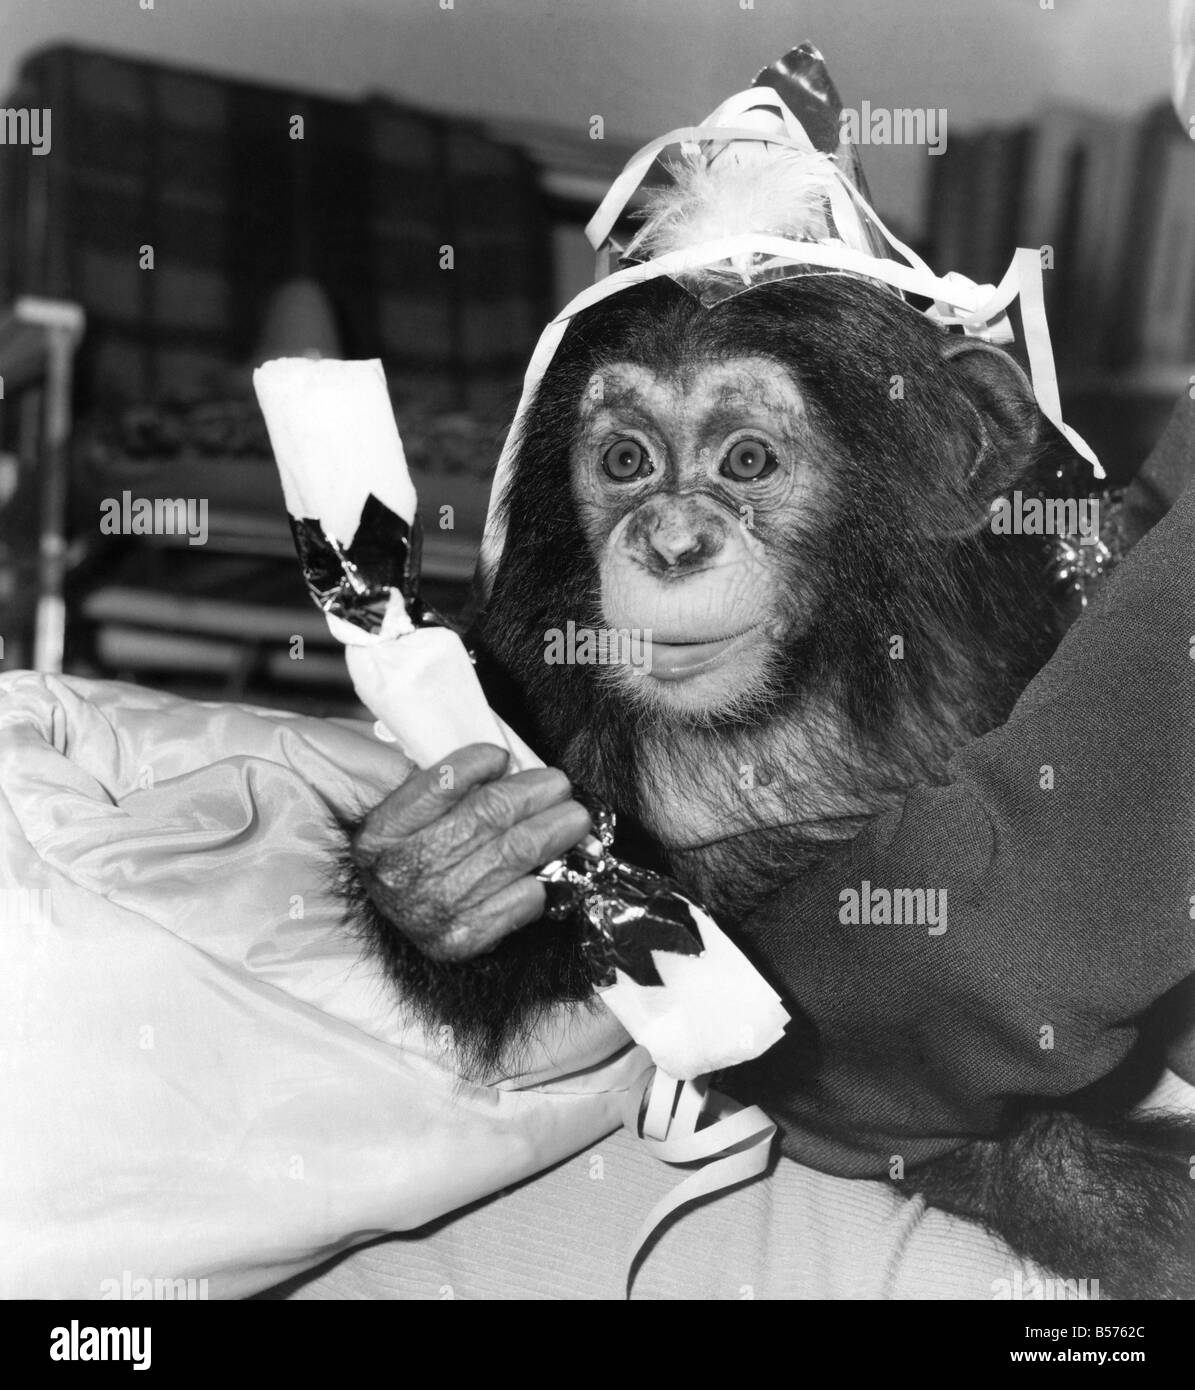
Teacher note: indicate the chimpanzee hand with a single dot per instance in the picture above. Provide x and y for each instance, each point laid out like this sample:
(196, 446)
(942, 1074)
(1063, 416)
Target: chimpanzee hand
(448, 858)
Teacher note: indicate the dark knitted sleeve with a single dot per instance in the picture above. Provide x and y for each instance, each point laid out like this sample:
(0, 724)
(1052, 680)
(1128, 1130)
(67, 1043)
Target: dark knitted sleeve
(1065, 844)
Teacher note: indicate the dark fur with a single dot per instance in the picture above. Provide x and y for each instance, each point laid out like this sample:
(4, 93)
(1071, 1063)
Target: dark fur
(979, 619)
(491, 1003)
(1108, 1198)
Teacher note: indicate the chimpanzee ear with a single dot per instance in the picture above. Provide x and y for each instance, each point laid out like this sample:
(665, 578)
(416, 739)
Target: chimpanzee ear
(992, 445)
(1009, 417)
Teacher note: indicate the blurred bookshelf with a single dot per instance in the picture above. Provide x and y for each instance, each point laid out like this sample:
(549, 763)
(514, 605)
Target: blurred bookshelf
(1111, 200)
(202, 167)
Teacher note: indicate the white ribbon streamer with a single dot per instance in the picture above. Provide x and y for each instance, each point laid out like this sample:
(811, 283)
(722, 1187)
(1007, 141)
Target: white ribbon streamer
(663, 1114)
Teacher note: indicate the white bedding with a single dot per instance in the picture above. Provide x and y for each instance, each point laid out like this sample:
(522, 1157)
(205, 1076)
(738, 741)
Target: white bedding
(796, 1234)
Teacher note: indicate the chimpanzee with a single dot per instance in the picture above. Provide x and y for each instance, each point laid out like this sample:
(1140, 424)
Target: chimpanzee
(788, 494)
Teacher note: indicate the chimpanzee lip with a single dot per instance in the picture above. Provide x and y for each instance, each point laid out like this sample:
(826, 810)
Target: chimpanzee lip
(674, 661)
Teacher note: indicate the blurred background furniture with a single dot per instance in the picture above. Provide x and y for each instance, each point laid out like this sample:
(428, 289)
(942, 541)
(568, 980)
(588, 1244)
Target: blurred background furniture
(38, 339)
(1111, 202)
(204, 223)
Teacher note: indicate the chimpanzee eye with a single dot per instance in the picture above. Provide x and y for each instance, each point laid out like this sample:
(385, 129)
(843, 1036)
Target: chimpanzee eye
(626, 459)
(749, 459)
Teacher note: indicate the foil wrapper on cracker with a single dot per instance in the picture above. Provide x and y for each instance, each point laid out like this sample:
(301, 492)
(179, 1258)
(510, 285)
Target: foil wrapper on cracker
(660, 963)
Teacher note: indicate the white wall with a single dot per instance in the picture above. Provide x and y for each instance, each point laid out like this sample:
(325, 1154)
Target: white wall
(645, 65)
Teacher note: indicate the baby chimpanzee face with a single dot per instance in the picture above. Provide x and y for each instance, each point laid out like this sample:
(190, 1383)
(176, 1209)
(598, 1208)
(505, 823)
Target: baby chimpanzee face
(681, 479)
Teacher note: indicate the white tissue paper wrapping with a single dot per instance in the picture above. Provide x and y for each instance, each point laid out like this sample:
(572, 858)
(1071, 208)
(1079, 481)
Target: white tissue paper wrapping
(715, 1010)
(334, 436)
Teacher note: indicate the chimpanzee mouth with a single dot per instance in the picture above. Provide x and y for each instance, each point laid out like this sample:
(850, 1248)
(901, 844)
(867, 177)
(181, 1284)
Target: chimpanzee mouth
(675, 661)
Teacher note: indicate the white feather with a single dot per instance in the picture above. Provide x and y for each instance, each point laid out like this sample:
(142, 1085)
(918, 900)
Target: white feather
(784, 195)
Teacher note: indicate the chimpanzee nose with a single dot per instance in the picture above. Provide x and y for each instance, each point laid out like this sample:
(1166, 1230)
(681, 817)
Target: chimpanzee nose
(674, 543)
(675, 534)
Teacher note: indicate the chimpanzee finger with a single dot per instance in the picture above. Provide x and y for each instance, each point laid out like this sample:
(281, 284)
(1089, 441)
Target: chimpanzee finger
(524, 847)
(491, 809)
(481, 928)
(424, 798)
